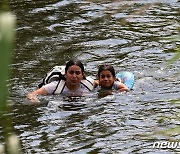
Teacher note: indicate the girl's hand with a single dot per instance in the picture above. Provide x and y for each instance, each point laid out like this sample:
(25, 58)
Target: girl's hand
(96, 83)
(122, 87)
(118, 79)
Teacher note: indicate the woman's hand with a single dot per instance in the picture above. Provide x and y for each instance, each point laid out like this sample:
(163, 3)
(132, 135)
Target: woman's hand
(33, 97)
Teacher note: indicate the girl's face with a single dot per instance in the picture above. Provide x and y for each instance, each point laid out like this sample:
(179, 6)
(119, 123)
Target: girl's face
(73, 76)
(106, 79)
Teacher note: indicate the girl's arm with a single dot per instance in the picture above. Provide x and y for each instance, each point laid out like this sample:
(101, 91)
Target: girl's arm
(96, 83)
(32, 96)
(122, 87)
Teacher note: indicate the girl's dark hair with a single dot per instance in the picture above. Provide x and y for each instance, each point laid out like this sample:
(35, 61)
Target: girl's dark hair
(106, 68)
(75, 62)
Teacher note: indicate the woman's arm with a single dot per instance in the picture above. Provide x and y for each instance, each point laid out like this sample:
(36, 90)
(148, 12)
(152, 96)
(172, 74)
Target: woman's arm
(32, 96)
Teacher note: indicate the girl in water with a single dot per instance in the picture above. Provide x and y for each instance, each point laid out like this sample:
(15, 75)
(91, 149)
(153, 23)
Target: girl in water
(107, 79)
(74, 73)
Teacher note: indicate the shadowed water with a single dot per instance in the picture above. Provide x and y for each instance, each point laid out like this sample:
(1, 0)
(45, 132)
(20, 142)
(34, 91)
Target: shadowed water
(130, 35)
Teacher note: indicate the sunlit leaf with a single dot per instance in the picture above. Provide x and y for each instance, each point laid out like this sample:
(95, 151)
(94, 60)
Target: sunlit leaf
(171, 131)
(175, 57)
(176, 101)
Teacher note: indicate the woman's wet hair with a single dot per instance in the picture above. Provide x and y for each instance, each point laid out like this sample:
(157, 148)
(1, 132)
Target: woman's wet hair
(75, 62)
(105, 67)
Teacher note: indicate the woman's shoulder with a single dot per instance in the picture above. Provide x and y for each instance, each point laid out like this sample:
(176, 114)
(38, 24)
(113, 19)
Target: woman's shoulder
(88, 82)
(50, 87)
(51, 83)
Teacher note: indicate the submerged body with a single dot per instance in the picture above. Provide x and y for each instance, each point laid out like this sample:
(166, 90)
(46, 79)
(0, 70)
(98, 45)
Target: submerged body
(81, 91)
(107, 79)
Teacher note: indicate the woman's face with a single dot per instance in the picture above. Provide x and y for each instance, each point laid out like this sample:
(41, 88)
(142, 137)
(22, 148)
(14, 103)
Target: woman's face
(73, 76)
(106, 79)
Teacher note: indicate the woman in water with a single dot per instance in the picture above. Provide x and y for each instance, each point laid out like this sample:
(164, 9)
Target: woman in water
(74, 73)
(107, 79)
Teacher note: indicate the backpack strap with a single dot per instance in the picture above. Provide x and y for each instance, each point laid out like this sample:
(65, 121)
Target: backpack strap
(54, 76)
(88, 83)
(42, 83)
(60, 87)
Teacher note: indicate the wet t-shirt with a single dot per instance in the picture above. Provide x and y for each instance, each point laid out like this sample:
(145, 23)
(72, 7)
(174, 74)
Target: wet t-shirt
(81, 91)
(115, 86)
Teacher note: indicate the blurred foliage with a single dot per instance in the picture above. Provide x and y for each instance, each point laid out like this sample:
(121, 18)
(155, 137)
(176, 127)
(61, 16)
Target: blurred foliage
(7, 24)
(176, 56)
(7, 33)
(174, 38)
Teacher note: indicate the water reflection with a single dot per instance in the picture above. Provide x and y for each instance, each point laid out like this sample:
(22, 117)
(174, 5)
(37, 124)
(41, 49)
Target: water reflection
(51, 32)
